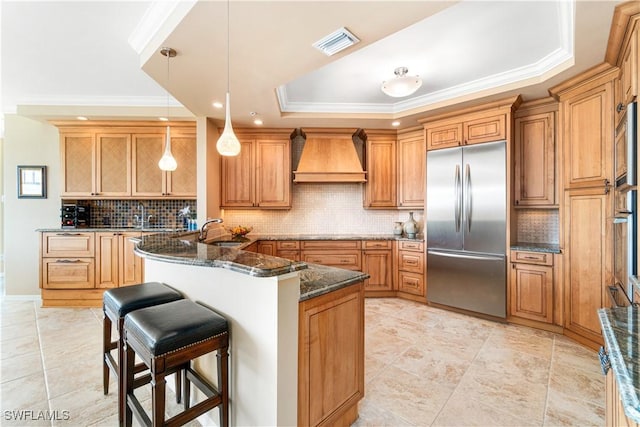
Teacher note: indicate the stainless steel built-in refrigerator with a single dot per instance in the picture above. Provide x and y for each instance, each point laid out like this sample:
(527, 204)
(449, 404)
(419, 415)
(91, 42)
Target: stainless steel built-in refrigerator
(466, 215)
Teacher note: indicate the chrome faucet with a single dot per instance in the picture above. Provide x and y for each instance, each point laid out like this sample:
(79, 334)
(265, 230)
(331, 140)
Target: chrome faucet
(203, 230)
(142, 217)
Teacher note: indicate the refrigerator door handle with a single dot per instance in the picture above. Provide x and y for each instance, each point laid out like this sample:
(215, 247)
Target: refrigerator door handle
(465, 256)
(458, 199)
(467, 196)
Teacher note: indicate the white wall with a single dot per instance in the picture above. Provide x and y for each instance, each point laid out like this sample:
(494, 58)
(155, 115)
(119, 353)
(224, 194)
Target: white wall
(28, 142)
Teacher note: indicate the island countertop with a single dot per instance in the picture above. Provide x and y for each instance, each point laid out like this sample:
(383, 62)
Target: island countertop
(620, 330)
(184, 248)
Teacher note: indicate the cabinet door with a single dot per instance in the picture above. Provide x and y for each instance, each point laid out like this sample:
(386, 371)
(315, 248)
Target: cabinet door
(443, 136)
(182, 181)
(113, 165)
(107, 260)
(273, 174)
(238, 178)
(380, 188)
(485, 129)
(629, 69)
(67, 273)
(378, 264)
(130, 265)
(267, 248)
(532, 292)
(412, 158)
(535, 160)
(587, 259)
(587, 130)
(148, 179)
(78, 164)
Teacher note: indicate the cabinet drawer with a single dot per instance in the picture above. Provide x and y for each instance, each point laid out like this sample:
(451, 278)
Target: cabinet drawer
(288, 244)
(406, 245)
(411, 261)
(411, 283)
(350, 260)
(292, 255)
(376, 244)
(68, 273)
(330, 244)
(542, 258)
(68, 244)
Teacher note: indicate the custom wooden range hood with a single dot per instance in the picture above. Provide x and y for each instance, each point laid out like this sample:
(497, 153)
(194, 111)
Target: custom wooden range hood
(331, 156)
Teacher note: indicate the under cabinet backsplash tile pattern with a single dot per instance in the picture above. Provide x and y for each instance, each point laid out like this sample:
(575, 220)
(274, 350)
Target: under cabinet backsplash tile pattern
(322, 209)
(538, 225)
(120, 213)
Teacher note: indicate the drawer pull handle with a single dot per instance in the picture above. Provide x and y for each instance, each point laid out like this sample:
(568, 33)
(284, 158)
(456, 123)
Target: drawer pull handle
(68, 234)
(531, 257)
(411, 262)
(68, 261)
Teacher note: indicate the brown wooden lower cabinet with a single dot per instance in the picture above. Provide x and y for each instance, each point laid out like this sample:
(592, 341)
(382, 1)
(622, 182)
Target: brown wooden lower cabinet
(410, 270)
(377, 262)
(334, 253)
(531, 293)
(331, 357)
(614, 411)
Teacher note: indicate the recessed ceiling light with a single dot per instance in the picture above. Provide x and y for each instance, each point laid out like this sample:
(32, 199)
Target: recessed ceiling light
(217, 104)
(163, 119)
(82, 118)
(256, 118)
(257, 122)
(395, 123)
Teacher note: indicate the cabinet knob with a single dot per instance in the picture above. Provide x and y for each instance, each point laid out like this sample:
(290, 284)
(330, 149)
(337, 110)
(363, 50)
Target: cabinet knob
(619, 107)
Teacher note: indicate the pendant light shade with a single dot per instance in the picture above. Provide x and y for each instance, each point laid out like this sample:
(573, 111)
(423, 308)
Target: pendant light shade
(167, 161)
(401, 85)
(228, 144)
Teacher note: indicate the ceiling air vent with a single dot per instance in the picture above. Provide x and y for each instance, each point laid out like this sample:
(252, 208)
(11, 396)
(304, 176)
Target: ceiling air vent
(336, 41)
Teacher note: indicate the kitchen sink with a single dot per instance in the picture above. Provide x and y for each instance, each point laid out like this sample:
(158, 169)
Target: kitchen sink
(227, 243)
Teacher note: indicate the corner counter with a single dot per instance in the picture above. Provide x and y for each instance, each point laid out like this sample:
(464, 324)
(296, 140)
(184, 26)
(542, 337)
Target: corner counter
(283, 315)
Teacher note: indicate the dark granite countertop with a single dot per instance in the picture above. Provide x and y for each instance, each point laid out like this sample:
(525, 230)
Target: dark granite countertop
(303, 236)
(553, 248)
(620, 328)
(184, 248)
(108, 229)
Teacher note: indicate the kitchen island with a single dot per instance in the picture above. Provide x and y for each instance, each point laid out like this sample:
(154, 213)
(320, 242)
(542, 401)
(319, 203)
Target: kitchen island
(297, 329)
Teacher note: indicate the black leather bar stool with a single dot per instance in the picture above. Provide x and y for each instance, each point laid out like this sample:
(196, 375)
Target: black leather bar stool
(166, 338)
(116, 303)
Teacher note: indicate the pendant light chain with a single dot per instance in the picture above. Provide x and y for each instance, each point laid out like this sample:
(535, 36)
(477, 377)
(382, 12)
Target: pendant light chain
(167, 161)
(228, 44)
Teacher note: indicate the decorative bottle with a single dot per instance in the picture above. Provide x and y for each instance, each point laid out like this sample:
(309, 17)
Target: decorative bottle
(410, 227)
(397, 229)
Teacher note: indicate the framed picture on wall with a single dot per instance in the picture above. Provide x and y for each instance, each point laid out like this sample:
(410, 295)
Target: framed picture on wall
(32, 182)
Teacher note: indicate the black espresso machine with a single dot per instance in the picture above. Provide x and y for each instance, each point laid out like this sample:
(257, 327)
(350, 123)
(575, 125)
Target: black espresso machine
(74, 215)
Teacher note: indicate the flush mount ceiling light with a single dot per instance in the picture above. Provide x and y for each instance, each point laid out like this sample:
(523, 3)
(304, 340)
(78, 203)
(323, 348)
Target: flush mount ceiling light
(402, 85)
(228, 144)
(167, 161)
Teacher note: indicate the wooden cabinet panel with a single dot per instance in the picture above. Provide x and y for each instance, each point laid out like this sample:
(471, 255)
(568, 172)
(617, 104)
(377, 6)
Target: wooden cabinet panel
(67, 244)
(78, 164)
(288, 244)
(377, 244)
(288, 254)
(330, 244)
(532, 292)
(534, 183)
(347, 259)
(130, 265)
(182, 182)
(273, 181)
(588, 261)
(67, 273)
(107, 260)
(408, 245)
(331, 357)
(260, 176)
(288, 249)
(443, 136)
(411, 283)
(587, 130)
(541, 258)
(380, 188)
(412, 262)
(484, 129)
(113, 165)
(148, 178)
(238, 179)
(267, 248)
(378, 264)
(412, 159)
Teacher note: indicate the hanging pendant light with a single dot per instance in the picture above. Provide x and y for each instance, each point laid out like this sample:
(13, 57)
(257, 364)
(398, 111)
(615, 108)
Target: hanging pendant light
(167, 161)
(228, 144)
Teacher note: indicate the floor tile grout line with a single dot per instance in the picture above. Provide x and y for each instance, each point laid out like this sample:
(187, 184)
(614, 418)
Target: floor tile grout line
(546, 399)
(44, 371)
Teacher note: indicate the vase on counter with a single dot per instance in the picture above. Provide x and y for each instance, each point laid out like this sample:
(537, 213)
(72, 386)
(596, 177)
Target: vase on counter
(410, 227)
(397, 228)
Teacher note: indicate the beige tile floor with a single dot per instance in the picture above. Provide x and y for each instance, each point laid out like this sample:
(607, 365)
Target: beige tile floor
(424, 366)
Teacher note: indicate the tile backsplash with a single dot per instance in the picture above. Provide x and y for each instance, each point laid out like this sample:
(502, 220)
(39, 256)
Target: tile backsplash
(322, 209)
(538, 225)
(120, 213)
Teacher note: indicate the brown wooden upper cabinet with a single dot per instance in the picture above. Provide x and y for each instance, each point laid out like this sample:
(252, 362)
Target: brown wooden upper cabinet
(623, 52)
(120, 160)
(412, 157)
(473, 129)
(380, 189)
(535, 155)
(260, 176)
